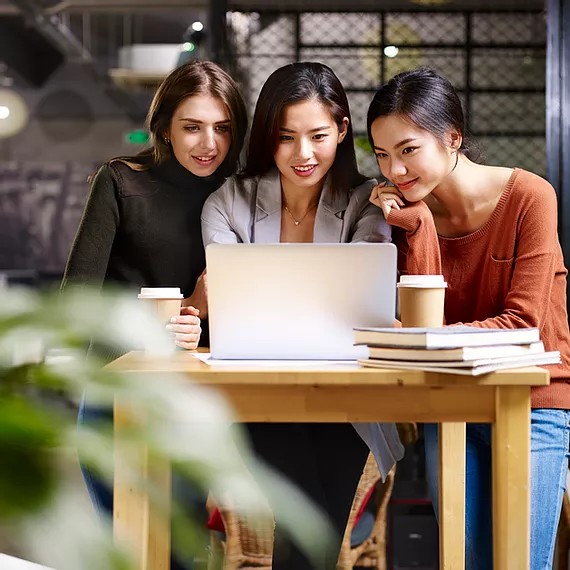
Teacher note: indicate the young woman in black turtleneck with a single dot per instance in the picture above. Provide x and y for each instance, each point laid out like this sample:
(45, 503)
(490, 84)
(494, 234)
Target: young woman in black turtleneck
(141, 224)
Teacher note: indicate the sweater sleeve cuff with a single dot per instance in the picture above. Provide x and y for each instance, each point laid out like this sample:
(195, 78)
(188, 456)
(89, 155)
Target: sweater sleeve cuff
(410, 217)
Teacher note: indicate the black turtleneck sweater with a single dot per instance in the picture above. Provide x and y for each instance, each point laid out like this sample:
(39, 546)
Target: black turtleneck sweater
(142, 228)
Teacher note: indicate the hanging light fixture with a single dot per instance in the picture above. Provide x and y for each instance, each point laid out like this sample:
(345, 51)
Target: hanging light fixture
(13, 113)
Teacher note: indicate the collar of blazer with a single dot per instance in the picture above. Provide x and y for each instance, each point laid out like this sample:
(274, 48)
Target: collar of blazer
(328, 221)
(268, 199)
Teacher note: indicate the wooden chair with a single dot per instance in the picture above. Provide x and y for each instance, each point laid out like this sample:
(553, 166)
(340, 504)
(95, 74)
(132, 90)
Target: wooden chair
(372, 552)
(245, 549)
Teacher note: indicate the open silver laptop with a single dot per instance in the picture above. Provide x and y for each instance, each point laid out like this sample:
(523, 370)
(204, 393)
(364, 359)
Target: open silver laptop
(297, 301)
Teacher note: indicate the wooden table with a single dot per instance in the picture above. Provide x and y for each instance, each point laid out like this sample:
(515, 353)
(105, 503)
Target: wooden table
(348, 393)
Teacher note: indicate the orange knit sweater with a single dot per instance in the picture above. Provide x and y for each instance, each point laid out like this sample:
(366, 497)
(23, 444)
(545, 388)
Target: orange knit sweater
(508, 274)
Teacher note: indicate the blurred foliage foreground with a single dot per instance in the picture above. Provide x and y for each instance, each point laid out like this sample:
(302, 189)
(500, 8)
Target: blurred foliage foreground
(44, 372)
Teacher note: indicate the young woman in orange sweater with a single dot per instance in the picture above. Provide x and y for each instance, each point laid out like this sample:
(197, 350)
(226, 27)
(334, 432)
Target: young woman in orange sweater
(492, 232)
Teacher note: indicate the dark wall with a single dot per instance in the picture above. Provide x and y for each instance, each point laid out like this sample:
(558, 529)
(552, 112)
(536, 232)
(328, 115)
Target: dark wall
(40, 208)
(75, 125)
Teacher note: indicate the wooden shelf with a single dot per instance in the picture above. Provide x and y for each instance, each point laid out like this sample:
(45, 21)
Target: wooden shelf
(129, 79)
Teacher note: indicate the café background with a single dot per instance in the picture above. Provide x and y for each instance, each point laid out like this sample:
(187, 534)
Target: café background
(78, 115)
(84, 101)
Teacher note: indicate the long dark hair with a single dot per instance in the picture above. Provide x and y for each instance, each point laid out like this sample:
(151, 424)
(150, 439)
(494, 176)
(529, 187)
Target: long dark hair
(193, 78)
(426, 99)
(295, 83)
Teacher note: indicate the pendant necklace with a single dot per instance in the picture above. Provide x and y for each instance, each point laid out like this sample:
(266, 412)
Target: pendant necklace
(295, 221)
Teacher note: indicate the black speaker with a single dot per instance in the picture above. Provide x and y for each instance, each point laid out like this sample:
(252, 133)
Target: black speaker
(27, 52)
(413, 537)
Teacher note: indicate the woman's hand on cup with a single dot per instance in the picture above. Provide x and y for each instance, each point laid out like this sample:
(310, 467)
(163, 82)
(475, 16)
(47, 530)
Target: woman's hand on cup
(386, 198)
(186, 328)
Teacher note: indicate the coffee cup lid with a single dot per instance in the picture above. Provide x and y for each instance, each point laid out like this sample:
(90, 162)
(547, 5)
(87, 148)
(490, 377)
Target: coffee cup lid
(422, 281)
(160, 293)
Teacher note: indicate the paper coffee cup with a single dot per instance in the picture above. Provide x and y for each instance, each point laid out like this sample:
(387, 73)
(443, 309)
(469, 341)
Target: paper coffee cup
(422, 299)
(160, 293)
(164, 303)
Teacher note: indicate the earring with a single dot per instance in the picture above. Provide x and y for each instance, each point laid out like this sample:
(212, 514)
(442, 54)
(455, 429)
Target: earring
(166, 140)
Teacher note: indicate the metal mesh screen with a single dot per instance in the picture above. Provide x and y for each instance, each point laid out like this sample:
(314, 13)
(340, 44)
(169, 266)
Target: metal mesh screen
(449, 62)
(516, 29)
(494, 112)
(496, 60)
(339, 28)
(425, 29)
(508, 69)
(357, 67)
(529, 151)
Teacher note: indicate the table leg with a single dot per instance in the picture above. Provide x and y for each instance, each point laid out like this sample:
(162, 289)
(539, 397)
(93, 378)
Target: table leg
(138, 522)
(452, 496)
(511, 479)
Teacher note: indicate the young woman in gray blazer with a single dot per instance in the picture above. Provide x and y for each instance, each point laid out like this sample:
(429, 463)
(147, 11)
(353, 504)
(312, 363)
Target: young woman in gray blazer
(301, 184)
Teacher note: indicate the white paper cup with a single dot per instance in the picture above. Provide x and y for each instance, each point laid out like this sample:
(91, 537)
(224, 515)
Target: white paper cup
(422, 281)
(422, 299)
(160, 293)
(164, 303)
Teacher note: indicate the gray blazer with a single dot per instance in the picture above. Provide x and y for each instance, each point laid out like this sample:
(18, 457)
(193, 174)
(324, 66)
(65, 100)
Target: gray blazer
(249, 211)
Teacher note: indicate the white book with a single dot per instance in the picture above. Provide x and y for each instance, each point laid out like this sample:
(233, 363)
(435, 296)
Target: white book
(443, 337)
(552, 357)
(454, 354)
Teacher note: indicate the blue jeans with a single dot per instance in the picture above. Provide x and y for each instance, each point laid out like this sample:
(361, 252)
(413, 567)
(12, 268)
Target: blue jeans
(550, 432)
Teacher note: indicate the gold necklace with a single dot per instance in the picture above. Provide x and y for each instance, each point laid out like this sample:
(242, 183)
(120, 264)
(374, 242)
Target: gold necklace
(295, 221)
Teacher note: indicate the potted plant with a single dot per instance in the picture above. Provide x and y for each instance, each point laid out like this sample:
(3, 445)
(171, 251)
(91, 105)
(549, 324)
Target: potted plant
(43, 374)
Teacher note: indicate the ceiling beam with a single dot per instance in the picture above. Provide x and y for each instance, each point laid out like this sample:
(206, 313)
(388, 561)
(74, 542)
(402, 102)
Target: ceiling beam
(29, 56)
(61, 37)
(53, 30)
(124, 5)
(133, 6)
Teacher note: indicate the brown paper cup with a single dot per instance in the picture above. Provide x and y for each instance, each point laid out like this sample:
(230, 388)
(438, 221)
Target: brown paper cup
(422, 300)
(164, 309)
(163, 302)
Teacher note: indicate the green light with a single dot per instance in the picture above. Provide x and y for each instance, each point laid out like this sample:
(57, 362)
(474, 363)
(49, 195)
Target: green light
(188, 46)
(138, 136)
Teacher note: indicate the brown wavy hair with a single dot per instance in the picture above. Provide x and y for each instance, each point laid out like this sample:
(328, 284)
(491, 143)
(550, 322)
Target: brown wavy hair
(192, 78)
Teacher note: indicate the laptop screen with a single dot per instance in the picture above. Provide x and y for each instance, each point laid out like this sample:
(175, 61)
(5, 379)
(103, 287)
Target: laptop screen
(297, 301)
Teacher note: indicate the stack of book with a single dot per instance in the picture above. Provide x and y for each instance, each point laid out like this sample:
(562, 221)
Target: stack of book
(455, 350)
